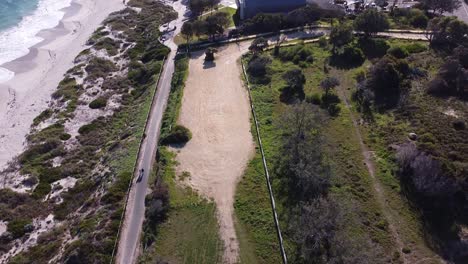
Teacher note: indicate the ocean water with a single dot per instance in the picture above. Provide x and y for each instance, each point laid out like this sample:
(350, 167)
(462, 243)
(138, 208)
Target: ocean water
(20, 22)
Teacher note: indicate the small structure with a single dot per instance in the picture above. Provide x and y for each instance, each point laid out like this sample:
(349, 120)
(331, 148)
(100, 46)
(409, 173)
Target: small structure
(249, 8)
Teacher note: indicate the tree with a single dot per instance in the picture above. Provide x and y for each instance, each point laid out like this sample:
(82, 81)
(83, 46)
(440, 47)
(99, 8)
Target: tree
(385, 80)
(199, 28)
(318, 224)
(212, 4)
(371, 22)
(258, 65)
(209, 54)
(294, 89)
(216, 23)
(258, 45)
(328, 84)
(341, 35)
(281, 38)
(441, 6)
(301, 163)
(197, 6)
(295, 79)
(447, 32)
(187, 31)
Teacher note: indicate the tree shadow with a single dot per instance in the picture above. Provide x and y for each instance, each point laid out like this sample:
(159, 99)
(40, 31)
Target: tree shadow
(341, 62)
(177, 145)
(208, 64)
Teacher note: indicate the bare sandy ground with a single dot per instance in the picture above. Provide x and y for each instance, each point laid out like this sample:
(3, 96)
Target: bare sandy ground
(38, 73)
(216, 109)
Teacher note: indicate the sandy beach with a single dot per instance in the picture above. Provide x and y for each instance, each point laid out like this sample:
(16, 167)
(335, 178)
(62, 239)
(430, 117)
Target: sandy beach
(38, 73)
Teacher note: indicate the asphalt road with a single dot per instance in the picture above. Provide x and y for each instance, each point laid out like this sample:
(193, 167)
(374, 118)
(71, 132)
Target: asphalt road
(135, 213)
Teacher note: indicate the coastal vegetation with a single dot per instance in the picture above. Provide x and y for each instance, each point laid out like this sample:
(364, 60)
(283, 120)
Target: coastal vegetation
(399, 106)
(78, 166)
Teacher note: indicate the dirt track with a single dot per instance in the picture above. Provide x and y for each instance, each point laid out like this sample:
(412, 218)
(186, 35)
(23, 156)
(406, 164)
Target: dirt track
(215, 108)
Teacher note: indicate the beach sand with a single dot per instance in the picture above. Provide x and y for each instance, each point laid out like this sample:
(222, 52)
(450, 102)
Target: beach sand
(38, 73)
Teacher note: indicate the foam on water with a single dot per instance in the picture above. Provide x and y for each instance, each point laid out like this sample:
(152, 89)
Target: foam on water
(16, 41)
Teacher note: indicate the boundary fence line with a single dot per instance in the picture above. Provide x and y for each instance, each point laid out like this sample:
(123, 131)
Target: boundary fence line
(135, 165)
(265, 168)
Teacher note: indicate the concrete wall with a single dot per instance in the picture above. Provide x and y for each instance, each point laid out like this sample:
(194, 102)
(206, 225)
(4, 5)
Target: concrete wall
(249, 8)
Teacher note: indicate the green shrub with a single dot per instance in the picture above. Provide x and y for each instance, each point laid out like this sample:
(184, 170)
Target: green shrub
(427, 137)
(17, 227)
(65, 136)
(418, 19)
(67, 90)
(99, 68)
(314, 99)
(37, 150)
(398, 52)
(44, 115)
(323, 42)
(87, 128)
(51, 132)
(118, 190)
(373, 48)
(156, 52)
(140, 73)
(47, 175)
(111, 46)
(352, 56)
(178, 135)
(258, 68)
(415, 47)
(297, 54)
(98, 103)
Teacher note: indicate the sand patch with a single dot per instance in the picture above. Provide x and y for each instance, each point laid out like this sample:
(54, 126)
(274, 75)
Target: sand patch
(215, 107)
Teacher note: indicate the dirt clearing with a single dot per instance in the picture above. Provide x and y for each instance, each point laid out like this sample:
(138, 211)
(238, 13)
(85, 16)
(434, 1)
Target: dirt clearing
(216, 109)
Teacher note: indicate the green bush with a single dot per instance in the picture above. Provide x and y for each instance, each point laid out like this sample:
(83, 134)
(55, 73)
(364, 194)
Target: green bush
(87, 128)
(42, 116)
(178, 135)
(36, 151)
(398, 52)
(353, 55)
(141, 73)
(65, 136)
(17, 227)
(415, 47)
(111, 46)
(373, 48)
(314, 99)
(99, 68)
(156, 52)
(117, 191)
(47, 176)
(418, 19)
(406, 250)
(67, 89)
(98, 103)
(297, 54)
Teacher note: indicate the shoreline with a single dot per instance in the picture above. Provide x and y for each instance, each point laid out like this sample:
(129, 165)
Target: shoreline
(38, 73)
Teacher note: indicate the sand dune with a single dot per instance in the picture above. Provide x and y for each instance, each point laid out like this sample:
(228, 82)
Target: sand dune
(38, 73)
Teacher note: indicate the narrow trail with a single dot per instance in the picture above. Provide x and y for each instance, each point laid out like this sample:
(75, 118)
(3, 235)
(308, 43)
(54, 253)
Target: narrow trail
(378, 188)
